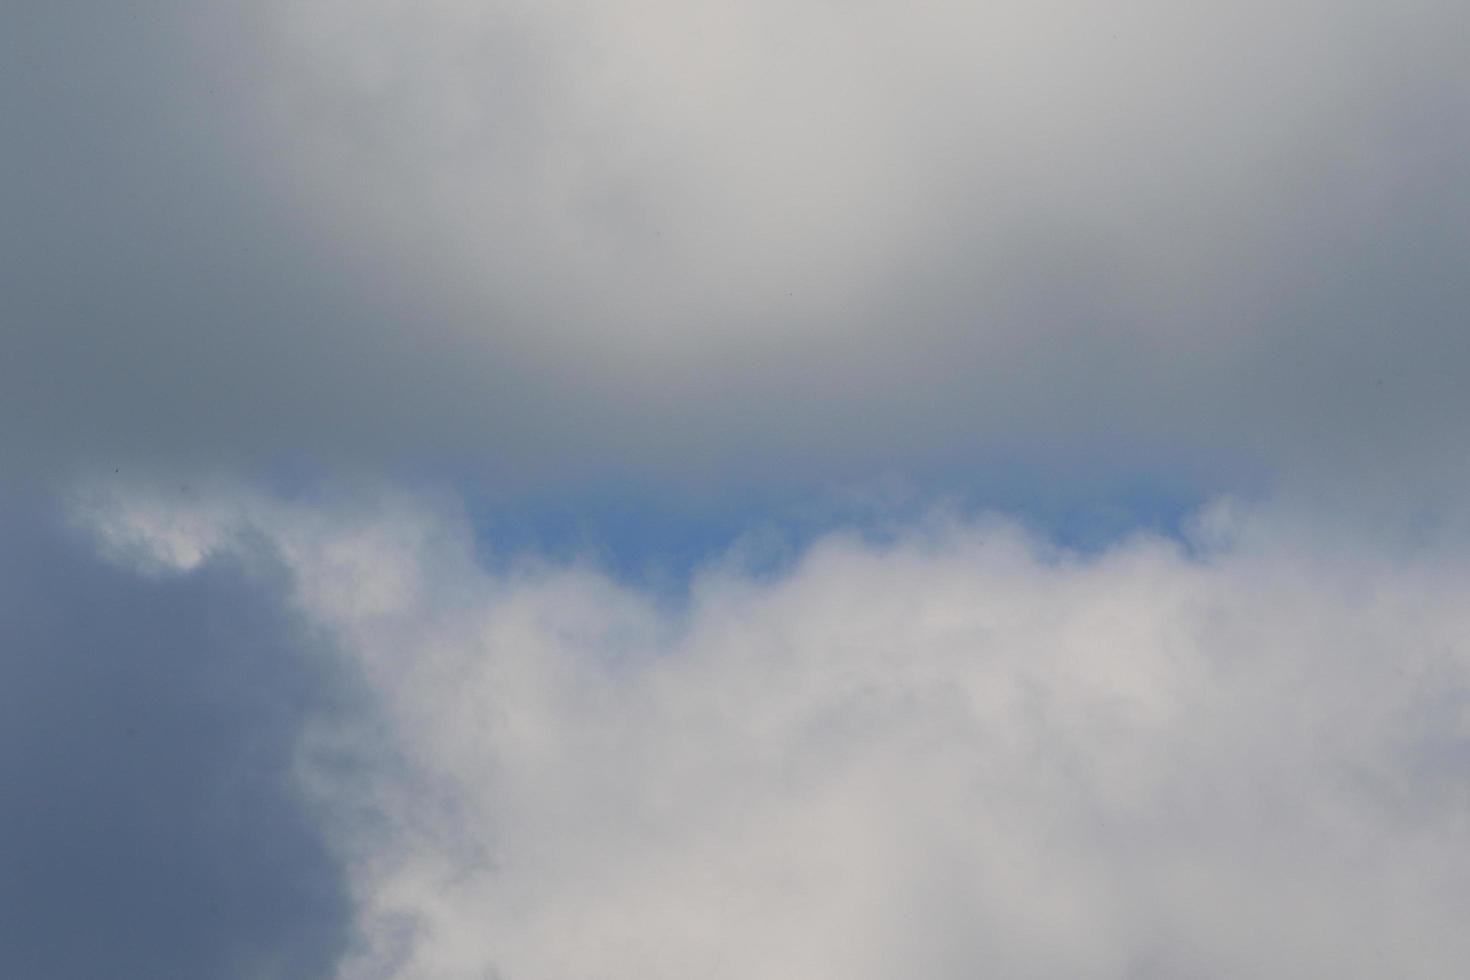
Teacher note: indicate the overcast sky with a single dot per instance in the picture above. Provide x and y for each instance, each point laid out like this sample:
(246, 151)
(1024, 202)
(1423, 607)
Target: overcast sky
(734, 487)
(753, 242)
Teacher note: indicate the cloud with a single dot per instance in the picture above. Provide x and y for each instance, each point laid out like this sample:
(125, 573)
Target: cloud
(641, 272)
(753, 242)
(941, 748)
(150, 823)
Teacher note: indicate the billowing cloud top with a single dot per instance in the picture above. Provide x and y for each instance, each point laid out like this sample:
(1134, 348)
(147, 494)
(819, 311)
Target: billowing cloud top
(738, 240)
(949, 752)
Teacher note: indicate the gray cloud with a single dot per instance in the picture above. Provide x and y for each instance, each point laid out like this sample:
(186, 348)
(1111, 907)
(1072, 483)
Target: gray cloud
(150, 824)
(731, 241)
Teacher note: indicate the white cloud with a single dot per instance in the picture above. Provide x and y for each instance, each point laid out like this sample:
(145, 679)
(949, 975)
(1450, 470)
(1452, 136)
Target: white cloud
(956, 753)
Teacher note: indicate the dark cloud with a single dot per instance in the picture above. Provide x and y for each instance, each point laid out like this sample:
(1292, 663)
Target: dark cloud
(750, 243)
(149, 826)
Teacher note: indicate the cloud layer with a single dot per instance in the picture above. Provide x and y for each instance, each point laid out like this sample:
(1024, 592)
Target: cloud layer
(941, 748)
(756, 241)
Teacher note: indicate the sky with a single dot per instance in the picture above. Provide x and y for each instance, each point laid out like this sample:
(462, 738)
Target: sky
(733, 488)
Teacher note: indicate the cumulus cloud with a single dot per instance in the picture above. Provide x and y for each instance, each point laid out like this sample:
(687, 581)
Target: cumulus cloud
(758, 241)
(940, 748)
